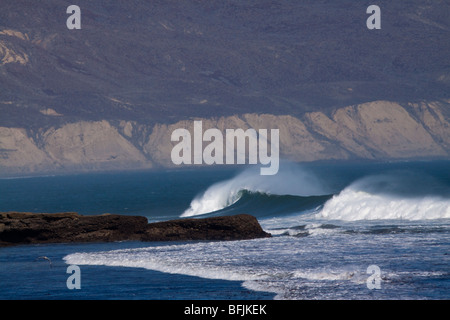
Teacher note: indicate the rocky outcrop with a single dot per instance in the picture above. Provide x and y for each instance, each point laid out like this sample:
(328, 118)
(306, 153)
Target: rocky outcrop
(374, 130)
(238, 227)
(9, 55)
(31, 228)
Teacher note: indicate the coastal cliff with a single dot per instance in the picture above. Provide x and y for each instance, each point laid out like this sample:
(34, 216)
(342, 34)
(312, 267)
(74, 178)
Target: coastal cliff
(379, 130)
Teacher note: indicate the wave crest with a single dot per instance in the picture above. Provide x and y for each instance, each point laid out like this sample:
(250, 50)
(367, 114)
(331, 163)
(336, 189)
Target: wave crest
(290, 180)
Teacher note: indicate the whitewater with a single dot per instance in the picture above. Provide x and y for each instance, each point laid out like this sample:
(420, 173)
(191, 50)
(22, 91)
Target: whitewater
(396, 196)
(291, 180)
(329, 223)
(324, 236)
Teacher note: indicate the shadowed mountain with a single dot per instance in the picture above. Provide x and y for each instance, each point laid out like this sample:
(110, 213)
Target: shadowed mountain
(163, 61)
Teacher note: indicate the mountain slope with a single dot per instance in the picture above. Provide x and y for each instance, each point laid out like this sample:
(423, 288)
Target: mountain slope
(164, 61)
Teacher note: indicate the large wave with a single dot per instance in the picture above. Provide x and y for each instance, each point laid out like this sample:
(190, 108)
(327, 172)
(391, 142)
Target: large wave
(290, 180)
(263, 205)
(393, 196)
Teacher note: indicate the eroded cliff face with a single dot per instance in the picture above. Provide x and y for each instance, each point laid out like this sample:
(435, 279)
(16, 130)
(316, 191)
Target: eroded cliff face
(383, 129)
(80, 146)
(374, 130)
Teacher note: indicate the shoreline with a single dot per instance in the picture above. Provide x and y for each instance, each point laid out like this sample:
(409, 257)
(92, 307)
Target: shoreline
(19, 264)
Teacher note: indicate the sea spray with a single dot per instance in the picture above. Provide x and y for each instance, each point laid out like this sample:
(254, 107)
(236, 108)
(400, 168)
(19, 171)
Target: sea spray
(292, 179)
(394, 196)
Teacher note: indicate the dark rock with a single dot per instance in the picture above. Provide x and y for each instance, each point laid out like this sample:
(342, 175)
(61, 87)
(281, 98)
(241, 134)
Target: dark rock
(30, 228)
(238, 227)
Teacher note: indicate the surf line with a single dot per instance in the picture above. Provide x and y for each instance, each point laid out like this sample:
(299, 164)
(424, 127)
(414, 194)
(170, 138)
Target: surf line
(190, 151)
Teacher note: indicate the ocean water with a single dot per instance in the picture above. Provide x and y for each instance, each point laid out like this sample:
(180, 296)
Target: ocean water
(340, 231)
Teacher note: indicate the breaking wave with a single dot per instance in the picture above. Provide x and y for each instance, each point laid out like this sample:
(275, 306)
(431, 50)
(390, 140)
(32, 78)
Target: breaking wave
(304, 257)
(396, 196)
(291, 182)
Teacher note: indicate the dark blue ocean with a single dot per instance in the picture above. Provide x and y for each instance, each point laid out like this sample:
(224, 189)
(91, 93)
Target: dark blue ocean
(340, 231)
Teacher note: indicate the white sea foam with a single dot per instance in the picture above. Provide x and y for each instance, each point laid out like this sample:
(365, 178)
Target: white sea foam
(355, 276)
(200, 260)
(385, 197)
(319, 258)
(259, 264)
(291, 267)
(291, 179)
